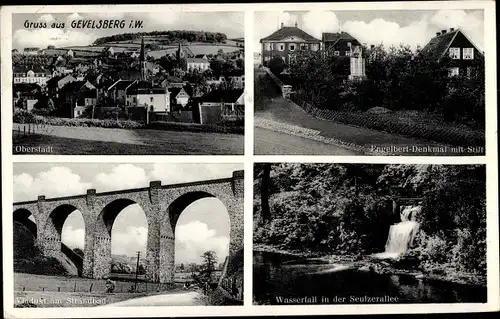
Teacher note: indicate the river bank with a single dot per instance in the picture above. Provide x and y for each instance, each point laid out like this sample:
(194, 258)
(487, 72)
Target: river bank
(370, 263)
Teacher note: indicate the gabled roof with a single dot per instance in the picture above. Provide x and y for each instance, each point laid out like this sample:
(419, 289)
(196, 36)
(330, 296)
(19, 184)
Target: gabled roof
(120, 85)
(286, 32)
(337, 36)
(438, 45)
(226, 96)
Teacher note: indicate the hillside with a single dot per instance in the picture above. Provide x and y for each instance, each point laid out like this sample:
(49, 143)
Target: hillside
(167, 37)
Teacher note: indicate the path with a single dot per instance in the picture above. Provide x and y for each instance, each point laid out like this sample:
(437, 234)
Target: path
(271, 107)
(176, 299)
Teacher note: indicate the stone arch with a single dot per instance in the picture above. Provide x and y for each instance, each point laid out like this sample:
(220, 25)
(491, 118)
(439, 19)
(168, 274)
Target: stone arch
(167, 231)
(24, 233)
(52, 244)
(102, 237)
(22, 216)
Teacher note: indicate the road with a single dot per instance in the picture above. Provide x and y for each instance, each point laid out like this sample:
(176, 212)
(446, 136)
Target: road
(175, 299)
(271, 142)
(272, 137)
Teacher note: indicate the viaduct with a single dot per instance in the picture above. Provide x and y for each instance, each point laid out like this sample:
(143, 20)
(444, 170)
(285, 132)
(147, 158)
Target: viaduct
(162, 205)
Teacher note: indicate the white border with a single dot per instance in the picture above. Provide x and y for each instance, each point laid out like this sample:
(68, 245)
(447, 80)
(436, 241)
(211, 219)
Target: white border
(248, 309)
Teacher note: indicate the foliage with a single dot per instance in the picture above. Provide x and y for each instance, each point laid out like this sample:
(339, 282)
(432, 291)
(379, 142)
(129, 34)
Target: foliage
(276, 65)
(347, 209)
(205, 276)
(22, 116)
(169, 36)
(396, 79)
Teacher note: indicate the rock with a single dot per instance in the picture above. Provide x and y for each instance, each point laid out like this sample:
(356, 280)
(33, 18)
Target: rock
(378, 110)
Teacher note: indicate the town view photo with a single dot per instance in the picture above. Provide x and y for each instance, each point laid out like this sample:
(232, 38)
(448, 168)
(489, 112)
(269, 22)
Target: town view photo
(148, 83)
(369, 233)
(168, 235)
(370, 82)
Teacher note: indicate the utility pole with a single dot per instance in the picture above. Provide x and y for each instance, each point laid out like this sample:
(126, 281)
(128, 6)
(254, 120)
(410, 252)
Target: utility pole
(137, 270)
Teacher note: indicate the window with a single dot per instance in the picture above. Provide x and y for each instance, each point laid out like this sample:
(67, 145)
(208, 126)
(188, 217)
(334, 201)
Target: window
(267, 46)
(453, 71)
(336, 53)
(314, 47)
(455, 53)
(347, 53)
(267, 58)
(292, 46)
(468, 53)
(281, 47)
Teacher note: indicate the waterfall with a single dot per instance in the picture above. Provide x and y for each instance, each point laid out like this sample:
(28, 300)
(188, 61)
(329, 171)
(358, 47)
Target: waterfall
(401, 235)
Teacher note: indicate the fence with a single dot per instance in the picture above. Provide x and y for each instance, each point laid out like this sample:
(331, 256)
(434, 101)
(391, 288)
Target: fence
(28, 129)
(387, 123)
(86, 285)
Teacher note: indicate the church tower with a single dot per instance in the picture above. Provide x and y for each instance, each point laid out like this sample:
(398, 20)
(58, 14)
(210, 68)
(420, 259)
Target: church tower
(142, 61)
(180, 53)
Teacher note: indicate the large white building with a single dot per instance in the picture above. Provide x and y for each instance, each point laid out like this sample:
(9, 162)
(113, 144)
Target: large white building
(199, 64)
(23, 75)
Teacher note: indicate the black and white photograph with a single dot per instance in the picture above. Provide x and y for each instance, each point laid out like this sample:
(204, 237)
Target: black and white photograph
(369, 234)
(369, 82)
(166, 235)
(128, 83)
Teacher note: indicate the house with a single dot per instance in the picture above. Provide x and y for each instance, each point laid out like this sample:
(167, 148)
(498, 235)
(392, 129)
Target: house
(58, 82)
(143, 94)
(455, 47)
(217, 103)
(78, 95)
(31, 75)
(117, 91)
(173, 81)
(338, 44)
(31, 51)
(236, 79)
(199, 64)
(286, 42)
(227, 98)
(178, 97)
(27, 93)
(216, 80)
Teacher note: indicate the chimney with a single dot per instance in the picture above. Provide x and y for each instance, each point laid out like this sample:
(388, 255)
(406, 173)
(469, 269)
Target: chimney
(282, 24)
(438, 34)
(443, 31)
(452, 29)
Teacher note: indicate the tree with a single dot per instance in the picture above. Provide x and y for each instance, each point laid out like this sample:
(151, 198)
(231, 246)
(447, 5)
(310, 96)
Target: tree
(276, 65)
(217, 67)
(266, 172)
(181, 267)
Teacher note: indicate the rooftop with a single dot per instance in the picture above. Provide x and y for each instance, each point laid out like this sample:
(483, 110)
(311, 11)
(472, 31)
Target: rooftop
(285, 32)
(438, 45)
(227, 96)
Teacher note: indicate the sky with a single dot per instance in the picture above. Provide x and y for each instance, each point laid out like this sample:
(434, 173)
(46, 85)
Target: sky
(390, 27)
(230, 23)
(202, 226)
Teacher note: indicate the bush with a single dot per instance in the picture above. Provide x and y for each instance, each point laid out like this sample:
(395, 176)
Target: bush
(23, 116)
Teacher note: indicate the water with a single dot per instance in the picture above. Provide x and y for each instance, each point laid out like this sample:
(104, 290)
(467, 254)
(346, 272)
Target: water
(277, 277)
(402, 234)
